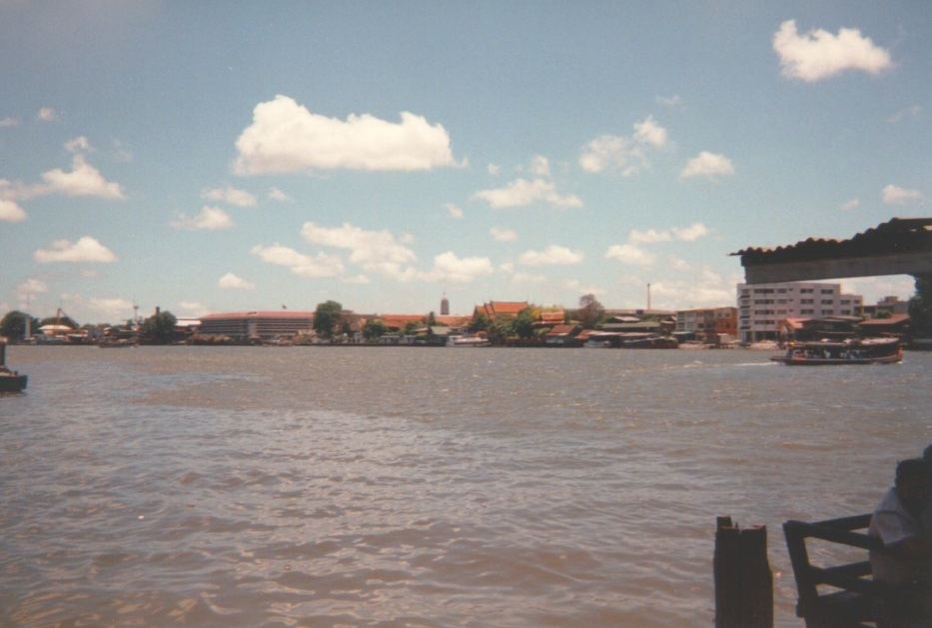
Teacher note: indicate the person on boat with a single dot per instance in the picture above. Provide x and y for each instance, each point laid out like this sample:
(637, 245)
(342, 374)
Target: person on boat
(905, 562)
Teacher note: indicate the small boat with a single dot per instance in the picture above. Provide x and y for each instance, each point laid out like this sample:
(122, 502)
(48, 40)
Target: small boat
(469, 341)
(851, 351)
(10, 381)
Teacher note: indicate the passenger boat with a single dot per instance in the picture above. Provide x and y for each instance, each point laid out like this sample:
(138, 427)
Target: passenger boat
(469, 341)
(852, 351)
(10, 381)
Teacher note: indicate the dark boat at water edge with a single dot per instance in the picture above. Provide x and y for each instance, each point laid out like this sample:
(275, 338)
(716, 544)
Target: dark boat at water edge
(10, 381)
(851, 351)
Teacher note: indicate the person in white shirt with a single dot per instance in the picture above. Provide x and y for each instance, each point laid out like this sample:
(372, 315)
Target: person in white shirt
(905, 562)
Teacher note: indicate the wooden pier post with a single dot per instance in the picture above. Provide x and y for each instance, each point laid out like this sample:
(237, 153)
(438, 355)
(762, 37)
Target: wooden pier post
(743, 580)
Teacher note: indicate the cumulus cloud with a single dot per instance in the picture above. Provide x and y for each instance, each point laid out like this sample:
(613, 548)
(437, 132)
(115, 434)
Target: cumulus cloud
(708, 165)
(47, 114)
(286, 137)
(819, 54)
(895, 195)
(630, 254)
(10, 211)
(229, 195)
(540, 166)
(448, 267)
(500, 234)
(651, 133)
(454, 211)
(524, 192)
(314, 267)
(8, 122)
(612, 153)
(86, 249)
(232, 282)
(208, 219)
(902, 114)
(277, 195)
(112, 308)
(83, 180)
(691, 233)
(29, 289)
(553, 255)
(670, 101)
(633, 251)
(852, 204)
(624, 155)
(377, 251)
(648, 237)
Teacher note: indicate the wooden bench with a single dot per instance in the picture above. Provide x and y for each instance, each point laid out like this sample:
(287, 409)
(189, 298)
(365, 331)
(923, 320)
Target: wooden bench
(839, 595)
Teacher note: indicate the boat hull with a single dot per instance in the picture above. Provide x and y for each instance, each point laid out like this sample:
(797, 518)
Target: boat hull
(13, 383)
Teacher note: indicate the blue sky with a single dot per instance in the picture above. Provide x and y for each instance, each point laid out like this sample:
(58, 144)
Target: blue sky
(219, 156)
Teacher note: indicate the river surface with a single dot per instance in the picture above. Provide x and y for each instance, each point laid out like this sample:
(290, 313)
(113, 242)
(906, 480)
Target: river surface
(326, 486)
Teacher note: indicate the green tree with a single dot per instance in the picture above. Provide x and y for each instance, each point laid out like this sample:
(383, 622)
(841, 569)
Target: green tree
(480, 322)
(13, 325)
(158, 329)
(326, 318)
(920, 308)
(523, 325)
(374, 329)
(590, 311)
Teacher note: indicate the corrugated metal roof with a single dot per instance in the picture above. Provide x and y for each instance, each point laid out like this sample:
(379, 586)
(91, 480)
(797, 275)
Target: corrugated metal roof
(898, 235)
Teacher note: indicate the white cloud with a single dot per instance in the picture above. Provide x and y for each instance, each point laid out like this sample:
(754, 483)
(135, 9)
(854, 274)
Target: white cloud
(648, 237)
(612, 153)
(8, 122)
(500, 234)
(494, 169)
(895, 195)
(819, 54)
(277, 195)
(232, 282)
(540, 166)
(708, 165)
(852, 204)
(691, 233)
(113, 308)
(909, 112)
(83, 180)
(86, 249)
(521, 193)
(79, 144)
(651, 133)
(11, 212)
(652, 236)
(553, 255)
(624, 155)
(300, 264)
(630, 254)
(375, 251)
(286, 137)
(454, 211)
(670, 101)
(230, 195)
(29, 289)
(46, 114)
(208, 219)
(450, 268)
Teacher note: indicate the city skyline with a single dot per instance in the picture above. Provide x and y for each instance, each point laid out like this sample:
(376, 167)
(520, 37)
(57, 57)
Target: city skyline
(208, 158)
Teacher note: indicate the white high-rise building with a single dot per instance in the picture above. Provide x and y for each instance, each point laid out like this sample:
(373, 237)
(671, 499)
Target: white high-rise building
(763, 307)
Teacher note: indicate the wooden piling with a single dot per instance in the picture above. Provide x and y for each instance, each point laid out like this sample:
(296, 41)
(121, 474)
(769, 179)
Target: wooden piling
(743, 580)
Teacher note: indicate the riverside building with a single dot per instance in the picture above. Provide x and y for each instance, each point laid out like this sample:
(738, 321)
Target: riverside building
(763, 307)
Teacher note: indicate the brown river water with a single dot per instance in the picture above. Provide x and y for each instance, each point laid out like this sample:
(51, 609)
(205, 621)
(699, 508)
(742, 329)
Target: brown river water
(326, 486)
